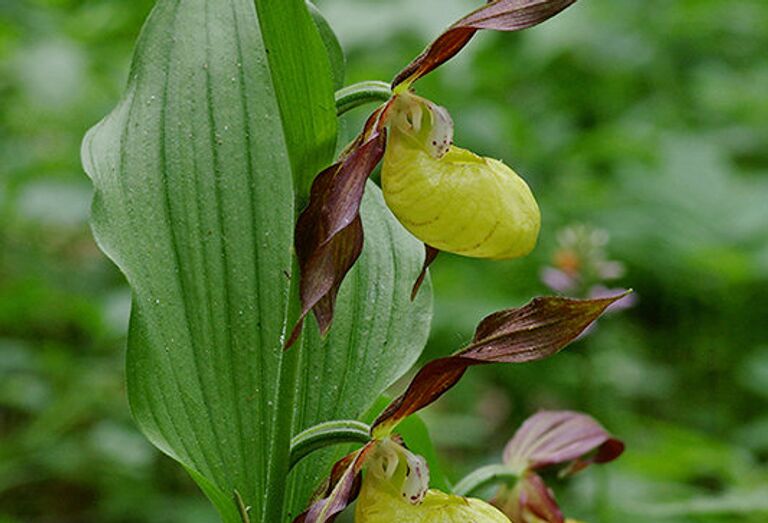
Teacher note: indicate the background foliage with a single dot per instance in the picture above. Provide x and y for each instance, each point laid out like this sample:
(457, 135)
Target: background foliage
(646, 120)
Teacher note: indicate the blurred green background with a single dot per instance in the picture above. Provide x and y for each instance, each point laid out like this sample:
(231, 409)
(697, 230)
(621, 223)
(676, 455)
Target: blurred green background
(642, 128)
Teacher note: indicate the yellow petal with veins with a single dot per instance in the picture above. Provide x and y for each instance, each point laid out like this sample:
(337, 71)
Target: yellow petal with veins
(460, 202)
(380, 502)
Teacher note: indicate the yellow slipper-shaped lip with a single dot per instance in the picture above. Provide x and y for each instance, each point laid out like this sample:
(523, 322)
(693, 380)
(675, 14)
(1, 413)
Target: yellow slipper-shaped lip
(460, 202)
(379, 503)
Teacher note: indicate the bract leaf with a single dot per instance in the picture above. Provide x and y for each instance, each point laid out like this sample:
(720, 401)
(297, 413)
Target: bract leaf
(499, 15)
(299, 68)
(556, 437)
(535, 331)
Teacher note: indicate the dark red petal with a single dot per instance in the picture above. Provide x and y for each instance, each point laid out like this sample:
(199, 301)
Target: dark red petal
(499, 15)
(329, 232)
(513, 15)
(440, 51)
(556, 437)
(430, 253)
(535, 331)
(342, 489)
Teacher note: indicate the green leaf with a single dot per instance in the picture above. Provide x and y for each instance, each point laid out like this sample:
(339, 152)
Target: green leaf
(332, 45)
(303, 82)
(194, 202)
(227, 114)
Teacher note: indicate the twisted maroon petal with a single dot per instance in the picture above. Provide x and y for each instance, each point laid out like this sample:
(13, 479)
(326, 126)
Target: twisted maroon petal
(535, 331)
(329, 233)
(342, 489)
(499, 15)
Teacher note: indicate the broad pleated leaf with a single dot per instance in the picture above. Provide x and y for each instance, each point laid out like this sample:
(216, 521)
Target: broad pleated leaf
(332, 46)
(227, 114)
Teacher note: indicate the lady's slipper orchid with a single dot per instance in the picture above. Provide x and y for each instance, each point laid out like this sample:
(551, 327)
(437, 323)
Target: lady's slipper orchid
(546, 439)
(395, 488)
(379, 502)
(395, 467)
(394, 480)
(448, 197)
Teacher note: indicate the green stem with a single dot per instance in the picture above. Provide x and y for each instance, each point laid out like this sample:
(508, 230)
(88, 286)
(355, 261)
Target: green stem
(242, 508)
(327, 434)
(361, 93)
(483, 477)
(279, 448)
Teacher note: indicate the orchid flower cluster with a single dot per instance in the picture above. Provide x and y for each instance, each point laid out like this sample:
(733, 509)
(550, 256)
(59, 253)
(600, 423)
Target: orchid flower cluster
(448, 197)
(456, 201)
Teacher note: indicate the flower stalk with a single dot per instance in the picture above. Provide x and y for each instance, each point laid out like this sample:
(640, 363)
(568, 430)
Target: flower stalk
(361, 93)
(484, 477)
(325, 435)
